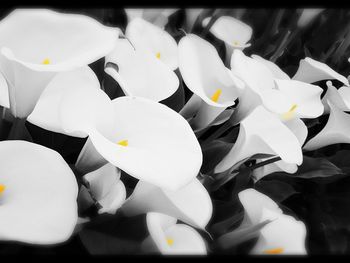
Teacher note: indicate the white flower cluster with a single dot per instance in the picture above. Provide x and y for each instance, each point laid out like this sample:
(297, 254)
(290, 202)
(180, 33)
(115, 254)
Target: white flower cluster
(45, 78)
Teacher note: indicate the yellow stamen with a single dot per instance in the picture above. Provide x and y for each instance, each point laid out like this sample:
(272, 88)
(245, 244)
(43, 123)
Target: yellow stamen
(216, 95)
(274, 251)
(2, 188)
(123, 143)
(46, 61)
(170, 241)
(235, 43)
(158, 55)
(290, 114)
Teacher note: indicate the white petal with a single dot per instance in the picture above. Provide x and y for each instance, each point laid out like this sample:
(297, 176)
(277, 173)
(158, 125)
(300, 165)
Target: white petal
(114, 199)
(340, 98)
(205, 116)
(232, 31)
(262, 132)
(39, 203)
(254, 202)
(148, 37)
(185, 240)
(191, 107)
(45, 35)
(68, 86)
(161, 143)
(4, 92)
(284, 233)
(191, 203)
(154, 79)
(252, 72)
(101, 180)
(305, 96)
(204, 72)
(335, 131)
(298, 127)
(311, 70)
(276, 70)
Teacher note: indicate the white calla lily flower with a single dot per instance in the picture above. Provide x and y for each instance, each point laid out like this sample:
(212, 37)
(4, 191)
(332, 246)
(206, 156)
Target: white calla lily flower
(271, 87)
(36, 182)
(206, 76)
(283, 235)
(154, 79)
(338, 97)
(262, 132)
(311, 70)
(107, 188)
(150, 38)
(191, 203)
(156, 16)
(29, 68)
(232, 31)
(335, 131)
(170, 238)
(167, 152)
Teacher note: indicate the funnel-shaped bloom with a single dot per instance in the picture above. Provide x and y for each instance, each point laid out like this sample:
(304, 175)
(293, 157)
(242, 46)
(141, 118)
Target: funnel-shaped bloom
(338, 97)
(207, 77)
(283, 235)
(36, 44)
(267, 84)
(232, 31)
(335, 131)
(38, 193)
(140, 73)
(150, 38)
(311, 70)
(170, 238)
(156, 16)
(146, 139)
(262, 132)
(191, 203)
(107, 188)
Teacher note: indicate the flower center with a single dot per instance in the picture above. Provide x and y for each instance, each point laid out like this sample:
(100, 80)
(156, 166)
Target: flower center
(170, 241)
(123, 143)
(2, 188)
(274, 251)
(158, 55)
(290, 114)
(216, 95)
(235, 43)
(46, 61)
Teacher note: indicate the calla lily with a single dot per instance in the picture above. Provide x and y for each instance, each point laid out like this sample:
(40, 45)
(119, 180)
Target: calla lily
(270, 87)
(150, 38)
(107, 188)
(232, 31)
(299, 129)
(207, 77)
(154, 80)
(4, 93)
(191, 203)
(340, 97)
(167, 152)
(156, 16)
(335, 131)
(283, 235)
(36, 182)
(170, 238)
(311, 70)
(29, 68)
(262, 132)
